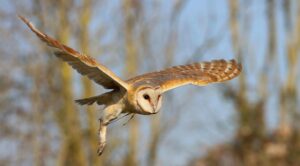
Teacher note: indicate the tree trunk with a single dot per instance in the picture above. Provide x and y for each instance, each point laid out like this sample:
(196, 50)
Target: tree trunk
(131, 66)
(71, 152)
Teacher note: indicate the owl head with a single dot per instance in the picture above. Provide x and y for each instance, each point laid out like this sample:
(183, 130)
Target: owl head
(148, 100)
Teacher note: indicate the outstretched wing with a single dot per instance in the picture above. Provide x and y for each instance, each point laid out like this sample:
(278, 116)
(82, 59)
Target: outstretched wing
(200, 74)
(84, 64)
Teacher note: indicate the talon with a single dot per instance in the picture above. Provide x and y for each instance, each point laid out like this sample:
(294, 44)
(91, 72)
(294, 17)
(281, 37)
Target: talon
(101, 148)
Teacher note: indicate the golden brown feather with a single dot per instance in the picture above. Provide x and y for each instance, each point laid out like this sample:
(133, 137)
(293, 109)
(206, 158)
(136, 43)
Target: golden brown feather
(197, 73)
(84, 64)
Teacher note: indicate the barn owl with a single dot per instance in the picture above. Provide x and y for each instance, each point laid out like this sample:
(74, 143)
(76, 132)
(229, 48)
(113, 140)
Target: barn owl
(141, 94)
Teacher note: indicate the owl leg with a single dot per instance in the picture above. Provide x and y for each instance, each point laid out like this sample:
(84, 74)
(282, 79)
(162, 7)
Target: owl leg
(109, 115)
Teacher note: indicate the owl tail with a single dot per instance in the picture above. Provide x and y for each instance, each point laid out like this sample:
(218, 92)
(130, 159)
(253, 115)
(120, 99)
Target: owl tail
(87, 101)
(100, 99)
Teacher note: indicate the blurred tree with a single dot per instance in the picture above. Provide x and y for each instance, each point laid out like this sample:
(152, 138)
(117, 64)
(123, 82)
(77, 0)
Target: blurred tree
(85, 18)
(253, 144)
(130, 13)
(71, 152)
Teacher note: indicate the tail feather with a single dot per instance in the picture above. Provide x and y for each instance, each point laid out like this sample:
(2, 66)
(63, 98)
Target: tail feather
(100, 99)
(87, 101)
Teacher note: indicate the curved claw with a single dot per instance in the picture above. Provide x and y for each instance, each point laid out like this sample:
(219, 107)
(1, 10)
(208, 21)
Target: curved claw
(101, 148)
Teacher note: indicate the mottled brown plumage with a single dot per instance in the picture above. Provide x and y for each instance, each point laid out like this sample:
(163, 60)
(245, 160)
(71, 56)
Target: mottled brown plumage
(141, 94)
(197, 73)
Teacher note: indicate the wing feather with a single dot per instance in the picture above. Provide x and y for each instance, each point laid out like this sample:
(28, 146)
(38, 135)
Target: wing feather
(200, 74)
(84, 64)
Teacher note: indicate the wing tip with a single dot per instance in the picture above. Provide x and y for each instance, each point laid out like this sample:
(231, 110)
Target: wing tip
(22, 18)
(236, 63)
(237, 70)
(26, 21)
(239, 66)
(232, 69)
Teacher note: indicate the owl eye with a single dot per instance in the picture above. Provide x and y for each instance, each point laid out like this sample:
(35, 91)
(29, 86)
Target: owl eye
(146, 96)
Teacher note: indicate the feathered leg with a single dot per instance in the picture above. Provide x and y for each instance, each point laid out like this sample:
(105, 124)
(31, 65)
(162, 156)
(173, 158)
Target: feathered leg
(110, 113)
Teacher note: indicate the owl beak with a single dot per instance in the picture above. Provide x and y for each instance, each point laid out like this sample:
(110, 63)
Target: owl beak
(154, 108)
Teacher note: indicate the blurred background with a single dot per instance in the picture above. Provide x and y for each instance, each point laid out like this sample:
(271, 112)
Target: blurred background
(251, 120)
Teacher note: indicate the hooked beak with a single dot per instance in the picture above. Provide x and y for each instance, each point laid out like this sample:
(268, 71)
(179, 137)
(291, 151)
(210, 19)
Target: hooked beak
(155, 111)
